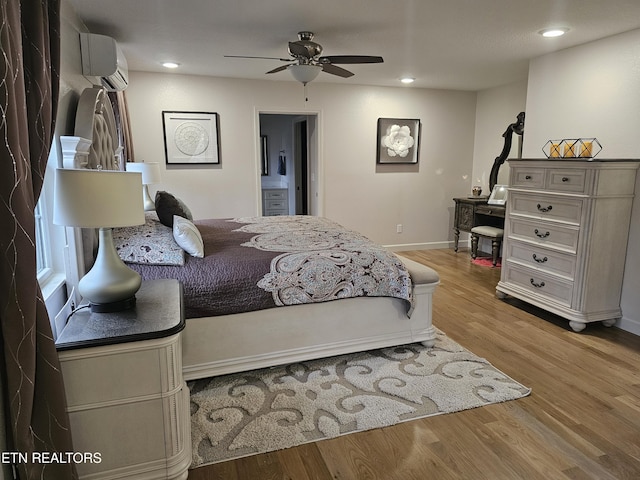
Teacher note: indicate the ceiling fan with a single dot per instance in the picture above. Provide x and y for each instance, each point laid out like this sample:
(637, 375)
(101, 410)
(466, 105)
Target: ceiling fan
(306, 61)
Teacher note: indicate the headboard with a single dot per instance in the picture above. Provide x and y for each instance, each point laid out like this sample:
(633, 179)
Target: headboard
(95, 143)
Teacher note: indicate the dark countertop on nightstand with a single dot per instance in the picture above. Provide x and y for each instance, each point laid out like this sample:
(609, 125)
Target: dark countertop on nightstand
(158, 313)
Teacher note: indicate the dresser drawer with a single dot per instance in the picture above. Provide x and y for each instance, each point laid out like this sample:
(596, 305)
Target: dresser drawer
(543, 234)
(538, 283)
(275, 204)
(544, 259)
(527, 177)
(117, 372)
(548, 207)
(275, 213)
(127, 435)
(574, 181)
(275, 194)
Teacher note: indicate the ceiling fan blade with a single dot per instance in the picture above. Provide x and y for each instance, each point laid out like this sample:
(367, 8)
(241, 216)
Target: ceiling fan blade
(265, 58)
(352, 59)
(334, 70)
(278, 69)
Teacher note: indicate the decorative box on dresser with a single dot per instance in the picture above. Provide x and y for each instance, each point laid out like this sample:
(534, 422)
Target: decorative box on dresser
(275, 201)
(566, 233)
(126, 396)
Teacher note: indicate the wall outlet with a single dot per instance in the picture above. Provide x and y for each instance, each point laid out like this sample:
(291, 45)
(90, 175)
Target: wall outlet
(399, 228)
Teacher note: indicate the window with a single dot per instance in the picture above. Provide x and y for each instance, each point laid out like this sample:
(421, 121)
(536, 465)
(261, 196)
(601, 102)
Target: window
(43, 252)
(50, 247)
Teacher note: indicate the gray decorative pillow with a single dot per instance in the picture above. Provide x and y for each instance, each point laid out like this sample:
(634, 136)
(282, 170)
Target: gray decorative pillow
(168, 205)
(150, 244)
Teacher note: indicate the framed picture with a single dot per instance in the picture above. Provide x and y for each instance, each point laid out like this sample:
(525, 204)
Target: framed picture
(398, 140)
(498, 195)
(264, 155)
(191, 137)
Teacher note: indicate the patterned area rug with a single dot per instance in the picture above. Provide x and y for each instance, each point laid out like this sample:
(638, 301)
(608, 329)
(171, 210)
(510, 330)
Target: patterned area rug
(264, 410)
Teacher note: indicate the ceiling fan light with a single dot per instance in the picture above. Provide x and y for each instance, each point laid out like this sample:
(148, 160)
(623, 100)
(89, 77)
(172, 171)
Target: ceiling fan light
(305, 73)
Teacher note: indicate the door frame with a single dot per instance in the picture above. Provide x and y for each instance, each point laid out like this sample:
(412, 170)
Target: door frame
(315, 157)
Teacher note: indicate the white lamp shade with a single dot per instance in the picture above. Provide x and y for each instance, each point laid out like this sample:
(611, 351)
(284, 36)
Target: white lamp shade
(305, 73)
(97, 198)
(150, 171)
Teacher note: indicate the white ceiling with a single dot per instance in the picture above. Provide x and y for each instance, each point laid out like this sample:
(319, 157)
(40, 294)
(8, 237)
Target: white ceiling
(457, 44)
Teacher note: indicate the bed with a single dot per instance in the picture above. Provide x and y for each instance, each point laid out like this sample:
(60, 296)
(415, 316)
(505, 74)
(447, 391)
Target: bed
(273, 290)
(252, 318)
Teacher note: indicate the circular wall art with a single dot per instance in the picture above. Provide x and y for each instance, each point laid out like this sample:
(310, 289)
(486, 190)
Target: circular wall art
(191, 139)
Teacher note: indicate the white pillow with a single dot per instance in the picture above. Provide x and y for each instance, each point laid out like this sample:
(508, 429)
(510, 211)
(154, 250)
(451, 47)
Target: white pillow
(187, 235)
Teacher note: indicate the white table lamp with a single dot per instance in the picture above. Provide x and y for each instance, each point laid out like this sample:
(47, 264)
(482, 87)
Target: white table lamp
(150, 175)
(102, 199)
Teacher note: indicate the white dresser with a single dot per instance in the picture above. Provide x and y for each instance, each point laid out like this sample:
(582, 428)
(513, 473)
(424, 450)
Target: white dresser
(126, 396)
(275, 201)
(566, 233)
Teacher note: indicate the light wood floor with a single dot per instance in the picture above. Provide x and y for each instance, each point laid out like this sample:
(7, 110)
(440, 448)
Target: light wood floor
(581, 421)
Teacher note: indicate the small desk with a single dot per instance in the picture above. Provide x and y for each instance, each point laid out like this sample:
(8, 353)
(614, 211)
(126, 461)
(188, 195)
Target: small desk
(126, 396)
(473, 211)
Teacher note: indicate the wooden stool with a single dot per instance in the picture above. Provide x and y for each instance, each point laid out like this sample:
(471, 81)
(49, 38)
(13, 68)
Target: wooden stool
(495, 234)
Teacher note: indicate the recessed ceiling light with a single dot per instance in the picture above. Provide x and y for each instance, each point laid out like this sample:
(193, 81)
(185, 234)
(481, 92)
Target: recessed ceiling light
(170, 65)
(553, 32)
(407, 79)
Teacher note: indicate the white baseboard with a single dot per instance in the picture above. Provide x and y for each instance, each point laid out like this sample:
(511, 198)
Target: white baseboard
(629, 325)
(403, 247)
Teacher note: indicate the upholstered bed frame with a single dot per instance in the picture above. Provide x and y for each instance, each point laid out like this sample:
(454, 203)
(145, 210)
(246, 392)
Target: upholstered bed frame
(243, 341)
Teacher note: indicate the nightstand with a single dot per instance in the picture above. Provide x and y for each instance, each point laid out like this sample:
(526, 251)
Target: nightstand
(126, 397)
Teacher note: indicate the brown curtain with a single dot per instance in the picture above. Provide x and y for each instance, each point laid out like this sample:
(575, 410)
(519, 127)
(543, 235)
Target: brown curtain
(34, 393)
(121, 112)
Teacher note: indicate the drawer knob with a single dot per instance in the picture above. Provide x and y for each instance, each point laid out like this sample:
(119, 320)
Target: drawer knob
(545, 209)
(538, 259)
(537, 285)
(565, 179)
(527, 177)
(541, 235)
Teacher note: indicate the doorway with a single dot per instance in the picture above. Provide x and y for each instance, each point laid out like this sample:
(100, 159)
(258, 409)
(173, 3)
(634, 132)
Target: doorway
(288, 182)
(301, 162)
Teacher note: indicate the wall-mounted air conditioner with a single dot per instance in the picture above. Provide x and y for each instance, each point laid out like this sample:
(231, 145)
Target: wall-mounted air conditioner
(102, 57)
